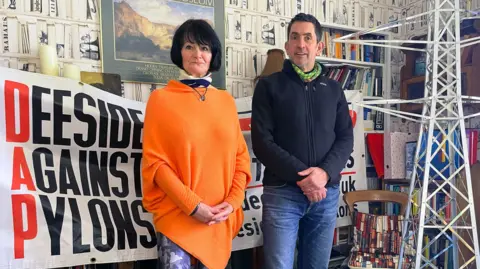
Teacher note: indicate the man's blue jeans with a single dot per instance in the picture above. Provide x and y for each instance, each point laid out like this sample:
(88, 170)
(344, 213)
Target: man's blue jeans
(288, 215)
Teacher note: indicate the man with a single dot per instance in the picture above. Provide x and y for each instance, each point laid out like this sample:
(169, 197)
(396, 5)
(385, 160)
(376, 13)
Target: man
(303, 134)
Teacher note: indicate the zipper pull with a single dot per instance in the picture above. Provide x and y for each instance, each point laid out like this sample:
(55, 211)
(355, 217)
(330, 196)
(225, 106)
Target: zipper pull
(314, 88)
(306, 87)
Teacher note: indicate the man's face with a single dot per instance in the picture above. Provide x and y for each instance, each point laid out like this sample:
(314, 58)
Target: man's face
(302, 46)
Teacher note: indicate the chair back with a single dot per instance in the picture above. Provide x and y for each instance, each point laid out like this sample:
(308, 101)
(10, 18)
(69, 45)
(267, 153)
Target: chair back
(353, 197)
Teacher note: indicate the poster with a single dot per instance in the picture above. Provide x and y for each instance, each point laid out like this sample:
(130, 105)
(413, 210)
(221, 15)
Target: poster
(71, 178)
(137, 36)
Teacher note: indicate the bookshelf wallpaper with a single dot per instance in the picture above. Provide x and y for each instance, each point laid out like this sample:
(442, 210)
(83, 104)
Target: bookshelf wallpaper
(252, 28)
(419, 28)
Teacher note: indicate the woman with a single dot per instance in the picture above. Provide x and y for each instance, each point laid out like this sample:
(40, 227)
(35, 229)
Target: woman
(196, 164)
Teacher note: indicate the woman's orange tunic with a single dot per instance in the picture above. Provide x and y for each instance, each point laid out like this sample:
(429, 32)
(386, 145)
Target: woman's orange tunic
(194, 151)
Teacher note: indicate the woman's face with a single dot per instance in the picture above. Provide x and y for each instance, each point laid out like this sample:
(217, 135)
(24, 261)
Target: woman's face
(196, 59)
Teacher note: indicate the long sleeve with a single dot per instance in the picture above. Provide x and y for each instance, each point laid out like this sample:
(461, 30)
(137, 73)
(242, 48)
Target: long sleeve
(270, 154)
(242, 175)
(158, 171)
(343, 146)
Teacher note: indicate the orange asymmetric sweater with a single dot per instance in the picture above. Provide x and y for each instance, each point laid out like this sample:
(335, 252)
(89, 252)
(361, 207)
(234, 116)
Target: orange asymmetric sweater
(194, 151)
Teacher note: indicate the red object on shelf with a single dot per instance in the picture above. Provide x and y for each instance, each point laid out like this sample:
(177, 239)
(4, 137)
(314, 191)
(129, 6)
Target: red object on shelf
(353, 116)
(376, 150)
(245, 124)
(472, 136)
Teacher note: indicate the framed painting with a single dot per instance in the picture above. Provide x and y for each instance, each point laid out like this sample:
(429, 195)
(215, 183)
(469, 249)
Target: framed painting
(136, 36)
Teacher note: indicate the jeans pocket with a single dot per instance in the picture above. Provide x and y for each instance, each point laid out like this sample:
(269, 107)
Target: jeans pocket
(334, 186)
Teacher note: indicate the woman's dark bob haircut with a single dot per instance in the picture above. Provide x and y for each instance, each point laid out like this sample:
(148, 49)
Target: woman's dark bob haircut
(197, 32)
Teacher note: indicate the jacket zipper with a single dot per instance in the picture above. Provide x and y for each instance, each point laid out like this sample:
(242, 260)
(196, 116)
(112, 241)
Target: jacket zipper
(309, 126)
(314, 151)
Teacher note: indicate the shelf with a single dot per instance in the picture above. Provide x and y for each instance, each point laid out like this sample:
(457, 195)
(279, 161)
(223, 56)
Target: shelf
(374, 132)
(396, 180)
(254, 45)
(254, 12)
(343, 61)
(61, 60)
(372, 97)
(319, 58)
(10, 13)
(240, 78)
(323, 23)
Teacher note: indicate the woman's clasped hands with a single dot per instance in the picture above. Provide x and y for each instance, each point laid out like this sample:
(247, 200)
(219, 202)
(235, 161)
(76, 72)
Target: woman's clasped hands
(213, 214)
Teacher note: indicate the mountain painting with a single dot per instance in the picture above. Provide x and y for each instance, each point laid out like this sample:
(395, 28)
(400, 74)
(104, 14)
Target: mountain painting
(144, 28)
(136, 36)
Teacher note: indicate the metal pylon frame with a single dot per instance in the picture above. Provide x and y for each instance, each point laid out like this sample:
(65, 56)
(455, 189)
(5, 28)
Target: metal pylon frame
(442, 134)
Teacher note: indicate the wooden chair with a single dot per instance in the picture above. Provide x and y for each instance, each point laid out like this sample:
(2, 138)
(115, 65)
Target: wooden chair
(353, 197)
(363, 245)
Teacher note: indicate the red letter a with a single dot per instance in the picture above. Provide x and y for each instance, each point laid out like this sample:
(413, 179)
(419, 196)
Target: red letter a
(20, 168)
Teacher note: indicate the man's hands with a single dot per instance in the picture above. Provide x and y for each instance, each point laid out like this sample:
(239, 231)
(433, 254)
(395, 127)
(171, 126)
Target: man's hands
(313, 186)
(211, 215)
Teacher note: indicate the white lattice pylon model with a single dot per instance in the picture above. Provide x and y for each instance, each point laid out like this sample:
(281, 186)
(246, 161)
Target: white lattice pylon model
(443, 133)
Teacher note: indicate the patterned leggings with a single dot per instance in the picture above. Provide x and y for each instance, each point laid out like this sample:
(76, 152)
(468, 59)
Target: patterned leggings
(171, 256)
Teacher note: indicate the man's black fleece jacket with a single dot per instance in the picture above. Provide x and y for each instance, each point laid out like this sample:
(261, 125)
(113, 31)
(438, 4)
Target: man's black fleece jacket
(297, 125)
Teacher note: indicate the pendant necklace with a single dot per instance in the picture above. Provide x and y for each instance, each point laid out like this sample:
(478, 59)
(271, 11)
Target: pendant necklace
(202, 96)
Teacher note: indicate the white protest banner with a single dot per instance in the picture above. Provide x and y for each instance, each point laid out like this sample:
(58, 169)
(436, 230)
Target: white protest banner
(250, 234)
(71, 175)
(354, 174)
(70, 156)
(71, 185)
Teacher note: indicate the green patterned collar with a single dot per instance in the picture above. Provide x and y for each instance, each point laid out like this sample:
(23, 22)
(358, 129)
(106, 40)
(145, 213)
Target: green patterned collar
(307, 77)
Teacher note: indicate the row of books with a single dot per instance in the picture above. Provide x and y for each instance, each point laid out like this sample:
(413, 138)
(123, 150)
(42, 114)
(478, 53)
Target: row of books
(80, 10)
(354, 52)
(373, 120)
(286, 8)
(32, 64)
(72, 40)
(355, 13)
(377, 241)
(439, 203)
(394, 208)
(369, 260)
(245, 62)
(240, 88)
(254, 30)
(377, 233)
(440, 161)
(441, 249)
(342, 235)
(357, 78)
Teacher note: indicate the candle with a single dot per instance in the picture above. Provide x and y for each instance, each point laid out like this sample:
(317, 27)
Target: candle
(48, 60)
(71, 71)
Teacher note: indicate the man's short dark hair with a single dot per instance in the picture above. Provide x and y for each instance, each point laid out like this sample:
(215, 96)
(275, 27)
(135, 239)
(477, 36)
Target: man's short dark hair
(200, 32)
(306, 18)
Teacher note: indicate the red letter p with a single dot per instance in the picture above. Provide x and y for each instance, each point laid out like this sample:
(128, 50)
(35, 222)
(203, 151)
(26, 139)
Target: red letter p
(20, 233)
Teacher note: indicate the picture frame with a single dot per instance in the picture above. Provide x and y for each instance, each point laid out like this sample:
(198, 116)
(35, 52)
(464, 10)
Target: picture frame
(136, 37)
